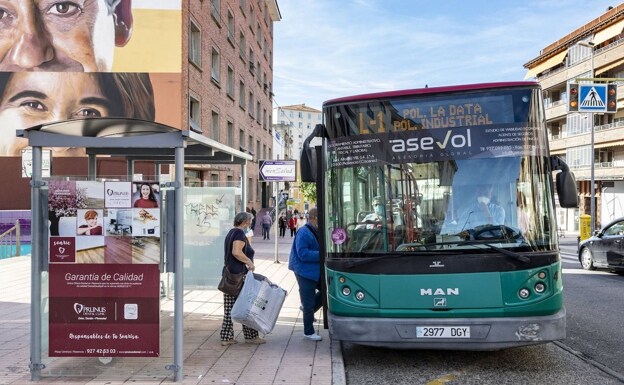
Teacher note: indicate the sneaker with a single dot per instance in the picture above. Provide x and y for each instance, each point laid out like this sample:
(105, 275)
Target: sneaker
(313, 337)
(228, 342)
(256, 341)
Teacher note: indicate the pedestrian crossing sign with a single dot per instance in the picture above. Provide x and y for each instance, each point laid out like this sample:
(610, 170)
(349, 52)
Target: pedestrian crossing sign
(594, 97)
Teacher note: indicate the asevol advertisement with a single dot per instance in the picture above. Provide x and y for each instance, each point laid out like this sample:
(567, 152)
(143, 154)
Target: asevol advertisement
(104, 272)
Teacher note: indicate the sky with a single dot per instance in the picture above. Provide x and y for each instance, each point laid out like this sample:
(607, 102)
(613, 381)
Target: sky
(325, 49)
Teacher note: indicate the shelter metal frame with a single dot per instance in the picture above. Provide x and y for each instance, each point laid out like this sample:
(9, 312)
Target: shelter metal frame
(133, 140)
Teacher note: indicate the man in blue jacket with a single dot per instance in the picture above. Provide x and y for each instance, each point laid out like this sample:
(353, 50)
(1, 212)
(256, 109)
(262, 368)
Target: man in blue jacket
(305, 262)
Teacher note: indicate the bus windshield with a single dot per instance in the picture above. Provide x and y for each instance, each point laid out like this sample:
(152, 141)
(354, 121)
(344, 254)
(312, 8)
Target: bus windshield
(438, 173)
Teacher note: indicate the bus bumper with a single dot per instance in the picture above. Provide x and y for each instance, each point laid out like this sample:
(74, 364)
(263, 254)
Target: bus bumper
(485, 333)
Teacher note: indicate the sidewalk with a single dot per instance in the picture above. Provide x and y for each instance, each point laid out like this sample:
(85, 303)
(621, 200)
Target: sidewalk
(286, 358)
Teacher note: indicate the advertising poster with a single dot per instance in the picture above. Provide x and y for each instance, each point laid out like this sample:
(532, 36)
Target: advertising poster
(104, 259)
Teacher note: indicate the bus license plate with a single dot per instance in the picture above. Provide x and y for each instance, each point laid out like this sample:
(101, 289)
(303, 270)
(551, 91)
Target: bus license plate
(443, 332)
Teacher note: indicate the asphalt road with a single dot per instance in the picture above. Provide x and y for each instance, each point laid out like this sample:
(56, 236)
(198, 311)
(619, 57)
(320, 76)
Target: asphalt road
(591, 353)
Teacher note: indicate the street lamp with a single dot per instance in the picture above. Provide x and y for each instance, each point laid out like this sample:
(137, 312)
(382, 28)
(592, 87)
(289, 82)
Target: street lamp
(592, 204)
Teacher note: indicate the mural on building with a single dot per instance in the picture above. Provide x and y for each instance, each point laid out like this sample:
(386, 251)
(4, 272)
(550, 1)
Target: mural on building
(102, 58)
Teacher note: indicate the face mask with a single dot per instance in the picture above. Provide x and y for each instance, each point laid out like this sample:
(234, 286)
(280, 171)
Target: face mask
(484, 200)
(378, 210)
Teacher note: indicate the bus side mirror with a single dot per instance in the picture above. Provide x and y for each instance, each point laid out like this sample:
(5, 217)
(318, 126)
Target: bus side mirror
(308, 161)
(308, 164)
(566, 189)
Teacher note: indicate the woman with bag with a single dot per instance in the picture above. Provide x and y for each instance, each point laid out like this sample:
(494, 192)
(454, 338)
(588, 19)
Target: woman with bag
(238, 259)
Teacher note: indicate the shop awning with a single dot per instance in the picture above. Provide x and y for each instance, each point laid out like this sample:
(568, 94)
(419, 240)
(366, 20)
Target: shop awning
(608, 33)
(549, 63)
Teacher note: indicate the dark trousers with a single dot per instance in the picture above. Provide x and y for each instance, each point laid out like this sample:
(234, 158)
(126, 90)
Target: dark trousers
(266, 229)
(293, 231)
(311, 301)
(282, 231)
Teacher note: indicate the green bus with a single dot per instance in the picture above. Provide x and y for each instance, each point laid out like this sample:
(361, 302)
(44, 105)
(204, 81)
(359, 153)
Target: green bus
(437, 217)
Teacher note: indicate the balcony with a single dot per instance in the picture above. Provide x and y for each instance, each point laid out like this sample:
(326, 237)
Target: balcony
(602, 171)
(556, 110)
(603, 56)
(605, 136)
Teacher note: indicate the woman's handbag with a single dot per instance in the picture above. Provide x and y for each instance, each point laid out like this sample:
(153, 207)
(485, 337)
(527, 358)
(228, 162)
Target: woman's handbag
(231, 283)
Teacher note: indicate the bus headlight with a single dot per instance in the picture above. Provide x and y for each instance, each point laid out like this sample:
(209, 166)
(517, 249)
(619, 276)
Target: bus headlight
(541, 275)
(359, 295)
(346, 291)
(540, 287)
(524, 293)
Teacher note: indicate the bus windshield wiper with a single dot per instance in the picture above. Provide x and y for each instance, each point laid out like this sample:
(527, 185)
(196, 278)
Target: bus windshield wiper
(506, 252)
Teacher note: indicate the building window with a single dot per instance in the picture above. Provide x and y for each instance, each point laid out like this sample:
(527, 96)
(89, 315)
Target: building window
(258, 147)
(215, 71)
(241, 140)
(258, 35)
(250, 105)
(230, 82)
(251, 18)
(215, 126)
(252, 65)
(230, 27)
(258, 112)
(195, 114)
(195, 45)
(250, 144)
(242, 46)
(230, 134)
(216, 10)
(241, 95)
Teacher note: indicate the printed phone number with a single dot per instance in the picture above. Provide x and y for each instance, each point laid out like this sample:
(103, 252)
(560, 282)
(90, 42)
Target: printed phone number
(101, 351)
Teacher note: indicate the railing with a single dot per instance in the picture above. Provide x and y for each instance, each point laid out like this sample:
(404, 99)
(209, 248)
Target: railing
(10, 242)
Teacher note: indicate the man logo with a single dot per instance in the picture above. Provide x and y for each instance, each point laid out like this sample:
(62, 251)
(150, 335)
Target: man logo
(78, 308)
(439, 302)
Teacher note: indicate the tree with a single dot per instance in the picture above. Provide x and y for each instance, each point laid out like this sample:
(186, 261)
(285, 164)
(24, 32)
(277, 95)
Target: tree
(308, 190)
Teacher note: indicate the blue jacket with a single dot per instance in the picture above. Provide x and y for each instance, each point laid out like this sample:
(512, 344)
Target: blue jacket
(304, 257)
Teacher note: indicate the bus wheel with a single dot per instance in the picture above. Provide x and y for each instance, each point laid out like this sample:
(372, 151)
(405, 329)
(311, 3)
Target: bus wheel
(587, 259)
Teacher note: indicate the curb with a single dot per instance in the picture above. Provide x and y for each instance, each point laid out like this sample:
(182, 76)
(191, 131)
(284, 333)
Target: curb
(338, 372)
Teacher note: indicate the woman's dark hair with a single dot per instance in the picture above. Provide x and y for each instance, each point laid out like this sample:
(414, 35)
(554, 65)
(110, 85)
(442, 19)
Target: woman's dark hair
(131, 94)
(151, 196)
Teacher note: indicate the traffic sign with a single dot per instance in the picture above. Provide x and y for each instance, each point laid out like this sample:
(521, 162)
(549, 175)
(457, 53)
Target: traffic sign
(278, 170)
(594, 97)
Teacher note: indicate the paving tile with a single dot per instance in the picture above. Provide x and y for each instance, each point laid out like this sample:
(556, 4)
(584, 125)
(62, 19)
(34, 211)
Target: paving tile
(286, 358)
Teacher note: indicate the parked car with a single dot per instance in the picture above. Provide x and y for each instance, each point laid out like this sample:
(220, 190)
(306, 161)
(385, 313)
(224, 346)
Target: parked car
(604, 249)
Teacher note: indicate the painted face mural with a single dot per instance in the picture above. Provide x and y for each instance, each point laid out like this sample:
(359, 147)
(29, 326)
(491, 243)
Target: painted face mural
(52, 35)
(31, 98)
(62, 60)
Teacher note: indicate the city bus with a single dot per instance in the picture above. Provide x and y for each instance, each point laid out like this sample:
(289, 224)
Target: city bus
(437, 217)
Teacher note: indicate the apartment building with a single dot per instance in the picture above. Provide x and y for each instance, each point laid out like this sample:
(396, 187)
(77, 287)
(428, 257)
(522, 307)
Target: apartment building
(301, 120)
(202, 66)
(593, 51)
(229, 77)
(297, 122)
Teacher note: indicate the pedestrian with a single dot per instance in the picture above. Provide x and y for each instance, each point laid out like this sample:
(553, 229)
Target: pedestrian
(253, 221)
(239, 258)
(266, 222)
(282, 225)
(292, 225)
(305, 262)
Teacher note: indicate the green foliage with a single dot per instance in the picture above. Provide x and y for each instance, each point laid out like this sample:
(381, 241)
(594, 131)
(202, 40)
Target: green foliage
(308, 190)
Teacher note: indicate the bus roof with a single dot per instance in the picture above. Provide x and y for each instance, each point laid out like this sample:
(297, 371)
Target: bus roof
(430, 90)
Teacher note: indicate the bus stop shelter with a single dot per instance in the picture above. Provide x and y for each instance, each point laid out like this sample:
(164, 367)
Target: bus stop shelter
(133, 140)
